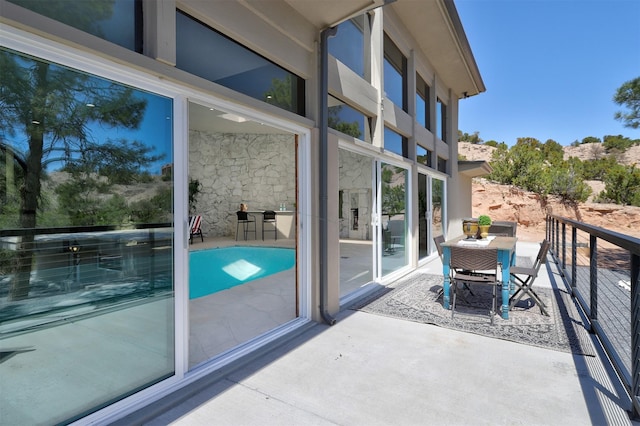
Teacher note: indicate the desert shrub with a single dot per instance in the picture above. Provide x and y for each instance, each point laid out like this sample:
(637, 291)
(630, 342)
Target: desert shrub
(568, 184)
(622, 185)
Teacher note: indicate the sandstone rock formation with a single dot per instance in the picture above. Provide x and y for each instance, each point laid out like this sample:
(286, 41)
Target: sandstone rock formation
(506, 202)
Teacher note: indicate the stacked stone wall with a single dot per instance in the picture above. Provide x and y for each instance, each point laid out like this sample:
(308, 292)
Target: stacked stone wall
(234, 168)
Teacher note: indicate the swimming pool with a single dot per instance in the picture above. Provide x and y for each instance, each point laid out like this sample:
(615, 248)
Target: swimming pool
(213, 270)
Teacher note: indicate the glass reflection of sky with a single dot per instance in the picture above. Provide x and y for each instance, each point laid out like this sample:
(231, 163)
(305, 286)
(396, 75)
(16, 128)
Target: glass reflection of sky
(392, 141)
(347, 46)
(439, 113)
(155, 130)
(392, 84)
(420, 110)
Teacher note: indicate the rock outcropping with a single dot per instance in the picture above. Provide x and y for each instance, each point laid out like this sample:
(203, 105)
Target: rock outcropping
(506, 202)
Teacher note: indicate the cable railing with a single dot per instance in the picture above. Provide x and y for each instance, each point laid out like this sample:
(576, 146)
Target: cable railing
(602, 268)
(48, 275)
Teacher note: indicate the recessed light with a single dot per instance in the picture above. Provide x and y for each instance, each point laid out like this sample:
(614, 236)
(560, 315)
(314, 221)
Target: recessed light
(233, 117)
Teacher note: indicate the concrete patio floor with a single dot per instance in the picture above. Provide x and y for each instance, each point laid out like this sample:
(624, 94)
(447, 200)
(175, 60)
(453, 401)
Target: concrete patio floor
(373, 370)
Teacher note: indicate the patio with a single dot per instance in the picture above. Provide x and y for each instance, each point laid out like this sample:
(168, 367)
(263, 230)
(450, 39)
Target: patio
(371, 369)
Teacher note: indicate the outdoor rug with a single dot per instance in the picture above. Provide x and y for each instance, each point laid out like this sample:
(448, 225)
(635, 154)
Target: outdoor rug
(417, 298)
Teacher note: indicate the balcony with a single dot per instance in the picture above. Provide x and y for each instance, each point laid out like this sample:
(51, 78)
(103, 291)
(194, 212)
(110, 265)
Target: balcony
(373, 369)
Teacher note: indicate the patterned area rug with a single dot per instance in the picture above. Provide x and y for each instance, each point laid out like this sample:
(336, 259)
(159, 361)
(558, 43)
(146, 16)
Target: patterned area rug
(417, 298)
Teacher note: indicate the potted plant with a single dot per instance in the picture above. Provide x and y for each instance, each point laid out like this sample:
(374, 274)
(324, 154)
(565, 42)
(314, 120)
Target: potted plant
(484, 222)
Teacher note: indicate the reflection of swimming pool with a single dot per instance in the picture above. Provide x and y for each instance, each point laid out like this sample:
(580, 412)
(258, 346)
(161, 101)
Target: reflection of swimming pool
(218, 269)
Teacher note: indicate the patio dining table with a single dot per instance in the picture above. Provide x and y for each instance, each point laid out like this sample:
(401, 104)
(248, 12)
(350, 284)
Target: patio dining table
(506, 257)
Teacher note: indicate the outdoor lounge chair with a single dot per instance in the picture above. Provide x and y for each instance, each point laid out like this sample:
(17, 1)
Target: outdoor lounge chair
(524, 277)
(472, 266)
(195, 223)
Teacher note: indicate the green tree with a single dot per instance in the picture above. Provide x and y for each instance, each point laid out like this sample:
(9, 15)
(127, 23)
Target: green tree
(567, 183)
(622, 185)
(590, 139)
(617, 143)
(334, 121)
(553, 151)
(501, 165)
(473, 138)
(55, 108)
(280, 93)
(628, 95)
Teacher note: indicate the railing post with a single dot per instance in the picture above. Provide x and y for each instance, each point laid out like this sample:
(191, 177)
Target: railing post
(557, 232)
(547, 228)
(574, 258)
(564, 247)
(635, 334)
(593, 279)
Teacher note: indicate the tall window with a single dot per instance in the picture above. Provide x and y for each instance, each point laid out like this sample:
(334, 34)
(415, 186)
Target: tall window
(118, 21)
(395, 142)
(348, 45)
(423, 110)
(206, 53)
(349, 121)
(424, 156)
(441, 117)
(442, 165)
(395, 74)
(86, 240)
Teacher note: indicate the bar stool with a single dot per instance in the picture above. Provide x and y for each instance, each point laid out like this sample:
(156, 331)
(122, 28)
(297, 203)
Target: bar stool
(269, 216)
(246, 220)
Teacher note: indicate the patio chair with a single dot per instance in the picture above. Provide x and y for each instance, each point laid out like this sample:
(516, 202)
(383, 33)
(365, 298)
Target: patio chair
(524, 278)
(269, 216)
(195, 223)
(245, 219)
(503, 228)
(473, 266)
(439, 240)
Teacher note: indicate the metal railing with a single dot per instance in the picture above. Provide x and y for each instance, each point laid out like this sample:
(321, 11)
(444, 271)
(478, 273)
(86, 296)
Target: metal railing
(602, 267)
(66, 271)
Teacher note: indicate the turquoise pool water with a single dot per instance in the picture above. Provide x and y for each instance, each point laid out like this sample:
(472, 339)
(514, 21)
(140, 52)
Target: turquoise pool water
(213, 270)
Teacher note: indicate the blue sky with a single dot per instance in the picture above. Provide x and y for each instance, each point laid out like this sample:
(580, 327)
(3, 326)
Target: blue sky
(551, 67)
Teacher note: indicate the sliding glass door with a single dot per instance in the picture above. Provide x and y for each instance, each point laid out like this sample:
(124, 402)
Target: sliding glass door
(393, 200)
(430, 212)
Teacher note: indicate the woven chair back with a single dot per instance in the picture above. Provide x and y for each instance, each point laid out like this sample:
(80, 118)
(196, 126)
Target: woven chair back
(473, 259)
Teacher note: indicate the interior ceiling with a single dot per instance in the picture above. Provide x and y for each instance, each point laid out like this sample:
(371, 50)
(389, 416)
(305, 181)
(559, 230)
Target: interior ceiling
(211, 120)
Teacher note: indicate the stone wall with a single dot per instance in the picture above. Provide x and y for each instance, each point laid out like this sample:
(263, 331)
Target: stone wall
(355, 184)
(256, 169)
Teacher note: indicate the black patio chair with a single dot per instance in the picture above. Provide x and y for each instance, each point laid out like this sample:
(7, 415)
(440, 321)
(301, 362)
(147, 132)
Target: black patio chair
(246, 220)
(269, 216)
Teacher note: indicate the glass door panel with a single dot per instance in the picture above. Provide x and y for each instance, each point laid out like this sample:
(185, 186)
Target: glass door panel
(355, 209)
(393, 184)
(243, 276)
(424, 212)
(437, 207)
